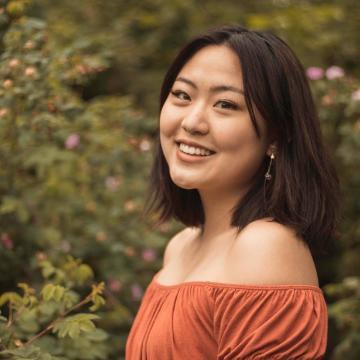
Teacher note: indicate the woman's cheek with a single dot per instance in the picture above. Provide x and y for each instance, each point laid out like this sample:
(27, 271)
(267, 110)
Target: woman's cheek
(166, 115)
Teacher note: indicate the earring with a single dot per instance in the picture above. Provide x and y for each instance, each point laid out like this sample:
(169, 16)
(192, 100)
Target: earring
(268, 175)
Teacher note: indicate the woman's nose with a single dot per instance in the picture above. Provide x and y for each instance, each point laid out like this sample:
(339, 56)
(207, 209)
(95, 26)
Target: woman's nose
(195, 120)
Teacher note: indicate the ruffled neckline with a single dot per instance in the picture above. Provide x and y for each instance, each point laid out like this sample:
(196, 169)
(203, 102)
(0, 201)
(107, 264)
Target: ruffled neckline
(214, 284)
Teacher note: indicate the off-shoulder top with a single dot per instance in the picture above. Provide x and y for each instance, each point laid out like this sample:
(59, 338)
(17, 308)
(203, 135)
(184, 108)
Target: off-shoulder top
(204, 320)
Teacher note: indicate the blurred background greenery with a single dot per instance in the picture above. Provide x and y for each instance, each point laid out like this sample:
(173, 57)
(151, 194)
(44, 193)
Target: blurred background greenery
(79, 88)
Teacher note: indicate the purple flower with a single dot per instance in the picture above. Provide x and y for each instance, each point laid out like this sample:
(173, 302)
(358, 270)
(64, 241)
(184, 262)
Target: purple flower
(136, 291)
(72, 141)
(334, 72)
(314, 73)
(148, 255)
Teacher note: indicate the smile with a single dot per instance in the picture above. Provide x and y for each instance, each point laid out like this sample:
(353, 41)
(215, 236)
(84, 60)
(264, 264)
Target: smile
(193, 150)
(192, 154)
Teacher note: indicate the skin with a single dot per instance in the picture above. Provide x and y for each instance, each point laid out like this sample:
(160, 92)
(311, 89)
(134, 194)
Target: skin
(220, 121)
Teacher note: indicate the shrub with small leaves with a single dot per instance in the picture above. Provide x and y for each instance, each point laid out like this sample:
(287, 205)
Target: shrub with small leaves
(38, 317)
(345, 312)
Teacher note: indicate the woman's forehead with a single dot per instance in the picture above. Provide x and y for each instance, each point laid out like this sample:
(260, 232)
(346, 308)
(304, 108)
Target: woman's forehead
(215, 65)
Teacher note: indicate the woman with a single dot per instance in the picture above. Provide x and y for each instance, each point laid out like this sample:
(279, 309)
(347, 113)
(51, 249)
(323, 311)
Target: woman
(241, 162)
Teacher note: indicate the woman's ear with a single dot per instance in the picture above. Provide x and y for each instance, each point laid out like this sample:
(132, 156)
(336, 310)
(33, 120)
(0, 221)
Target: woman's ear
(271, 149)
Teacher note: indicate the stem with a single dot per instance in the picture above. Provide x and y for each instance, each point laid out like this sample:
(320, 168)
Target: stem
(10, 320)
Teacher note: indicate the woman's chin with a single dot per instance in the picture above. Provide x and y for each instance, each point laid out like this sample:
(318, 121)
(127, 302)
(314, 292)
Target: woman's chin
(184, 182)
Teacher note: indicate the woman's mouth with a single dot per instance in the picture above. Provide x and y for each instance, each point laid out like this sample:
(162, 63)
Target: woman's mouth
(190, 153)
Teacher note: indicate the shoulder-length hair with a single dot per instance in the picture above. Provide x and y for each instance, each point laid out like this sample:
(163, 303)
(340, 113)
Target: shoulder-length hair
(304, 190)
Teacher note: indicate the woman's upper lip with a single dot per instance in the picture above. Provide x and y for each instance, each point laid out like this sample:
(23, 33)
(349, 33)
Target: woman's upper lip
(193, 143)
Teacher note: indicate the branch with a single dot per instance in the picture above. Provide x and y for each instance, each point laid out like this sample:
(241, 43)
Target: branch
(52, 324)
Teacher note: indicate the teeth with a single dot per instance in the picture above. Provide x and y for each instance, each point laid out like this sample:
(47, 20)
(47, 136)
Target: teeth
(193, 150)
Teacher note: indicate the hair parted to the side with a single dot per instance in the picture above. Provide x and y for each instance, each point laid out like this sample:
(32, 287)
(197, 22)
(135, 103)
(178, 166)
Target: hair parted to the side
(304, 191)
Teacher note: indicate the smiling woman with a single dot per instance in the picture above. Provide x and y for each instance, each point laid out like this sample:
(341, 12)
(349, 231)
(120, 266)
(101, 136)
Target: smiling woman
(240, 161)
(210, 107)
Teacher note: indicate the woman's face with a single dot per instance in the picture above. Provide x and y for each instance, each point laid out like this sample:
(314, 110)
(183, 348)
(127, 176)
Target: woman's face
(206, 105)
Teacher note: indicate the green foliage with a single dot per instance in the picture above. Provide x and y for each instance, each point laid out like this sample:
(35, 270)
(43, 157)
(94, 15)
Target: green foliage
(346, 314)
(35, 315)
(72, 326)
(339, 104)
(65, 188)
(76, 149)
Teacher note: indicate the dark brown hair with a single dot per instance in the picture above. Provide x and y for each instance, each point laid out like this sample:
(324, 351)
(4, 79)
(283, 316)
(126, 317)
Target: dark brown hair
(304, 191)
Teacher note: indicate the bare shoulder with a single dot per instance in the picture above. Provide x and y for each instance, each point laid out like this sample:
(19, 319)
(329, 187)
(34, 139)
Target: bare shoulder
(267, 252)
(177, 243)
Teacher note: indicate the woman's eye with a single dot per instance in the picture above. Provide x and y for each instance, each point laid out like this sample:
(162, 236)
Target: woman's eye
(228, 105)
(180, 95)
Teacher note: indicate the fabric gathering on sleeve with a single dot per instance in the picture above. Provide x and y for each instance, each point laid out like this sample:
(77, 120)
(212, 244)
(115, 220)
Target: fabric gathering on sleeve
(207, 320)
(270, 324)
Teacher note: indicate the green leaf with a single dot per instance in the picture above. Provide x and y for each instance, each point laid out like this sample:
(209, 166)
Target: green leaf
(9, 204)
(47, 268)
(48, 291)
(11, 297)
(72, 326)
(84, 273)
(51, 291)
(98, 301)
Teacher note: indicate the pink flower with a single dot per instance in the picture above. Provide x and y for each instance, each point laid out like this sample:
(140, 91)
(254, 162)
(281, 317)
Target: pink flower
(6, 241)
(8, 83)
(129, 206)
(136, 291)
(30, 71)
(115, 285)
(314, 73)
(148, 255)
(3, 112)
(14, 63)
(29, 45)
(334, 72)
(145, 145)
(355, 96)
(72, 141)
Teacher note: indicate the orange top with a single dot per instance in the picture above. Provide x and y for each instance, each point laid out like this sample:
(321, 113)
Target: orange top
(203, 320)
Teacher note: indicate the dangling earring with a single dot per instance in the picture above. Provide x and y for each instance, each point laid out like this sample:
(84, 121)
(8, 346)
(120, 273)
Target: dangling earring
(268, 175)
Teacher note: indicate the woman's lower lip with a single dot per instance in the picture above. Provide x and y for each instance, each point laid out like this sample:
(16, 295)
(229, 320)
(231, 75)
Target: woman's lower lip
(191, 158)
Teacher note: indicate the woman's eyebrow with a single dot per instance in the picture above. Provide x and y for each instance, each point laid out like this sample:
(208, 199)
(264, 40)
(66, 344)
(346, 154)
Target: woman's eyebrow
(217, 88)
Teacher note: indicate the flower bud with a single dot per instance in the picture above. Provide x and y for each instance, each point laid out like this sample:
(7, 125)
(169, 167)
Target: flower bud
(8, 83)
(29, 45)
(30, 71)
(13, 63)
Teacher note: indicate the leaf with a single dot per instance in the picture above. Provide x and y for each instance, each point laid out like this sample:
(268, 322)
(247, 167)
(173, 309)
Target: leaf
(97, 335)
(59, 292)
(9, 204)
(74, 330)
(48, 291)
(70, 299)
(27, 320)
(98, 301)
(72, 326)
(87, 326)
(84, 273)
(23, 353)
(47, 268)
(51, 291)
(11, 297)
